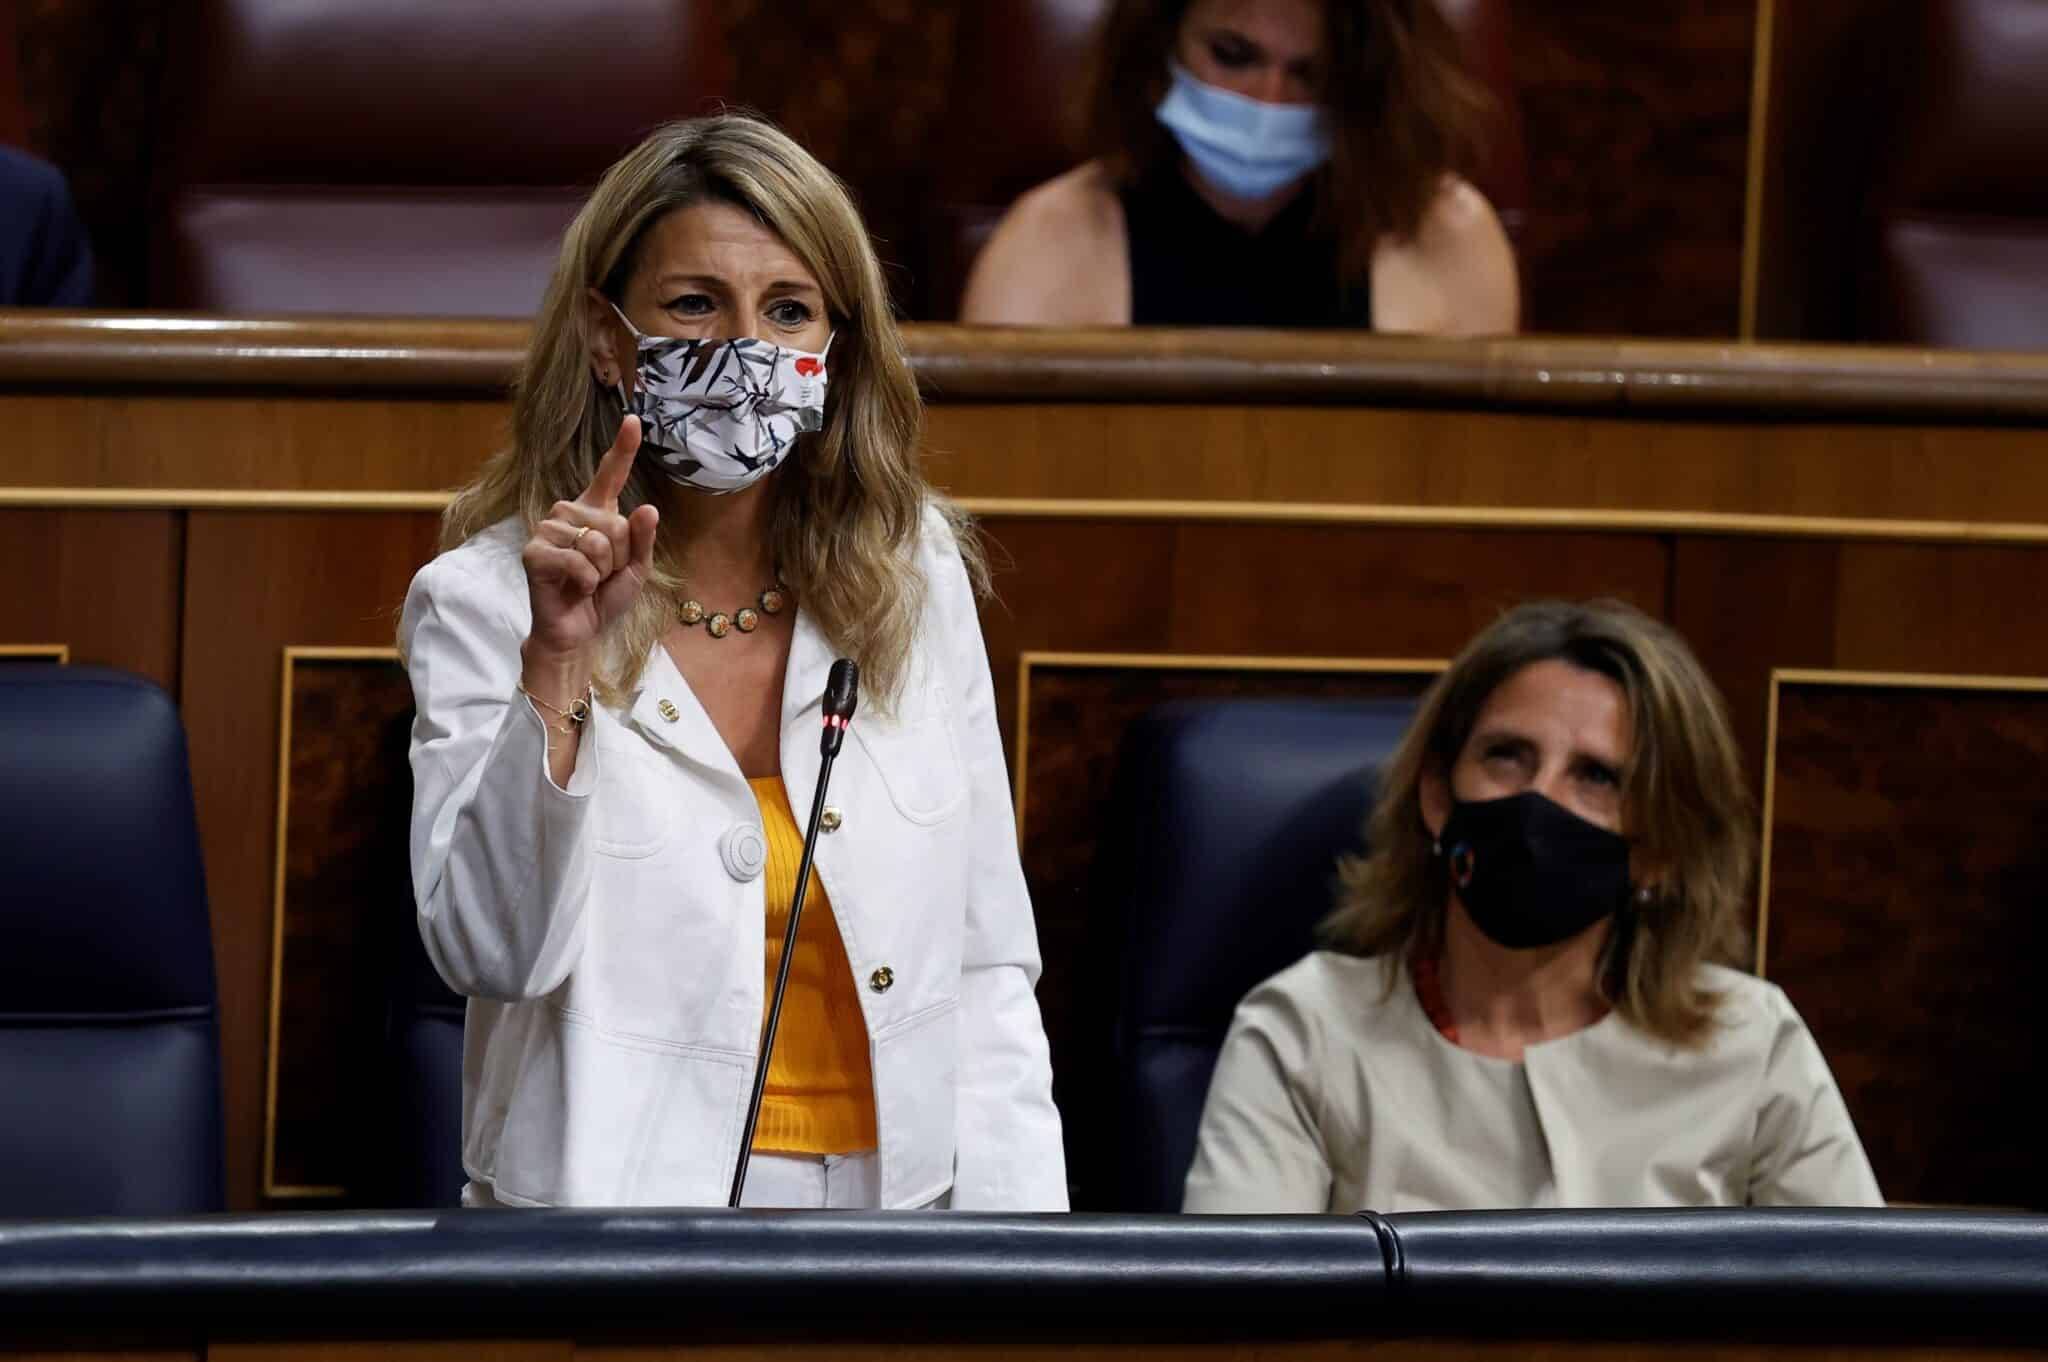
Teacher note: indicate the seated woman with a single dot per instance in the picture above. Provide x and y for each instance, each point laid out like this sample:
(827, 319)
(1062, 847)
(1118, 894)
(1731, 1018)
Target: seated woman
(1293, 163)
(618, 663)
(45, 259)
(1520, 1007)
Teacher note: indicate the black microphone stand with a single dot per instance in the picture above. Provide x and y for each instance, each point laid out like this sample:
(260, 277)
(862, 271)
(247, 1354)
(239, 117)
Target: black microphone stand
(840, 694)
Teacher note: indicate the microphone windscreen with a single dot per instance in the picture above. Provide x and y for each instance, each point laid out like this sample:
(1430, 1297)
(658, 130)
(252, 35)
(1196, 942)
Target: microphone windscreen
(842, 688)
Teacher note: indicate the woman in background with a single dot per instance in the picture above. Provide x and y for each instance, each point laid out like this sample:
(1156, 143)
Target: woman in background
(1522, 1004)
(1291, 163)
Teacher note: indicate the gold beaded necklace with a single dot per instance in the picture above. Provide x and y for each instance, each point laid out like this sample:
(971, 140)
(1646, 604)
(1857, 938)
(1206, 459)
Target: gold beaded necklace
(746, 619)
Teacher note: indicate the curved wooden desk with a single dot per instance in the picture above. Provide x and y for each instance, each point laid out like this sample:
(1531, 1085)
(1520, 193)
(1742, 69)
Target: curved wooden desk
(1854, 540)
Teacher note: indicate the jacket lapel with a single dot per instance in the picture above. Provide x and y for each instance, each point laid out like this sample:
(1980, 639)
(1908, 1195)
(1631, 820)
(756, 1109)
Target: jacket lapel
(803, 696)
(668, 714)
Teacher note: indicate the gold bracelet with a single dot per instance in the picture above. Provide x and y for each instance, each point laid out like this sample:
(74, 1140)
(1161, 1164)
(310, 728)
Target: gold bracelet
(575, 716)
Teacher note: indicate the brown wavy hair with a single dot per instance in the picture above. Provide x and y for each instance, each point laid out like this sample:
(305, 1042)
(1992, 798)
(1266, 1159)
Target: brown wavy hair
(1403, 111)
(847, 504)
(1684, 805)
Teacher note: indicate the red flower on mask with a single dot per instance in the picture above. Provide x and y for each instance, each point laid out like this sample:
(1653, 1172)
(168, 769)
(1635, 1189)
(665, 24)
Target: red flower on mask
(808, 366)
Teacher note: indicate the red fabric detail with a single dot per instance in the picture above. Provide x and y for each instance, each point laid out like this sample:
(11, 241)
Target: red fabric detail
(1429, 991)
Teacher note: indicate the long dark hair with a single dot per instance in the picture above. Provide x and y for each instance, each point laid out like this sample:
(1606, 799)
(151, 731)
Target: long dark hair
(1403, 112)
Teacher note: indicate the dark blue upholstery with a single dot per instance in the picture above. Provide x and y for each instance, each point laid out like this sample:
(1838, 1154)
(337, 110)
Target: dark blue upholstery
(1224, 829)
(424, 1069)
(109, 1033)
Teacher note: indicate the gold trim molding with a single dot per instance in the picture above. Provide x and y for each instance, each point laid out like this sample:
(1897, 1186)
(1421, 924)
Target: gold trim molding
(1872, 680)
(59, 653)
(293, 655)
(1733, 524)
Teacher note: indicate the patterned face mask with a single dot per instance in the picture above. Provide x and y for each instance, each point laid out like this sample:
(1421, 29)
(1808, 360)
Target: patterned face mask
(720, 415)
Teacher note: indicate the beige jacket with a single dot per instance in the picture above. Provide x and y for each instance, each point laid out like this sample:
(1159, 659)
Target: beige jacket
(1332, 1095)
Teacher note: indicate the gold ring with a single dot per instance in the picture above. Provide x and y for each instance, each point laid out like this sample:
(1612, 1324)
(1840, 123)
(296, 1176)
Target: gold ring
(580, 532)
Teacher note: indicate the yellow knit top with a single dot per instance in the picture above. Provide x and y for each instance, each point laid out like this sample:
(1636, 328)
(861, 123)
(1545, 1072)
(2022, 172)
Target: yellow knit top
(821, 1092)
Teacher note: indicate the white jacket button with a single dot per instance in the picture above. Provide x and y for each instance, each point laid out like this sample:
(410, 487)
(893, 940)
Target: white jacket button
(829, 819)
(882, 979)
(744, 851)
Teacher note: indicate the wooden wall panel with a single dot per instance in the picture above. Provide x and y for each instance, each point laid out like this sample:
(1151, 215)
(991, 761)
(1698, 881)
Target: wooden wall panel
(1637, 121)
(1751, 605)
(103, 583)
(1747, 606)
(1815, 155)
(1906, 880)
(249, 442)
(255, 584)
(1304, 591)
(344, 911)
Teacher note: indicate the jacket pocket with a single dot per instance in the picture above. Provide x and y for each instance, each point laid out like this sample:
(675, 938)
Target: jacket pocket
(597, 1119)
(628, 824)
(919, 762)
(917, 1081)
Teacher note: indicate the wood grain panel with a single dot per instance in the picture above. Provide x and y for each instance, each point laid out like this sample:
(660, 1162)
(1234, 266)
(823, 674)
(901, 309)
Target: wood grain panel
(255, 584)
(345, 894)
(1497, 464)
(249, 442)
(1099, 587)
(1371, 456)
(1816, 157)
(1906, 879)
(1636, 120)
(104, 583)
(1361, 591)
(1747, 606)
(1928, 607)
(1750, 605)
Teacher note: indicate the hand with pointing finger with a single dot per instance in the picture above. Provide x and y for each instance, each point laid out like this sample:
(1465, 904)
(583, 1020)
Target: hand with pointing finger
(585, 565)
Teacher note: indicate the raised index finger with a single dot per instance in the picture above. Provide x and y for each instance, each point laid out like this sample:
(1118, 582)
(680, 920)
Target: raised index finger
(615, 468)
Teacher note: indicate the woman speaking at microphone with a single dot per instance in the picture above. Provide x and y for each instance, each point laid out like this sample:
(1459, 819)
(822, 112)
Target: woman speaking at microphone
(712, 490)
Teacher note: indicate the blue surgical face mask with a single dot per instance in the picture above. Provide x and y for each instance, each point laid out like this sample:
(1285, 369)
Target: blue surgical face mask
(1245, 147)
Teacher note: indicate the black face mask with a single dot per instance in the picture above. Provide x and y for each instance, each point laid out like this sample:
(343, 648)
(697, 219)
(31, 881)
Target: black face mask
(1530, 872)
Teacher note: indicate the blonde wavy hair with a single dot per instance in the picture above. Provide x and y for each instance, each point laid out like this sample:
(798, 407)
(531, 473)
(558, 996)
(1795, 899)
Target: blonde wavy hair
(848, 505)
(1684, 805)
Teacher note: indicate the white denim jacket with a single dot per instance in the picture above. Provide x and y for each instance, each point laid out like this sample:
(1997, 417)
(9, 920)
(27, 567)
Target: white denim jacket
(614, 963)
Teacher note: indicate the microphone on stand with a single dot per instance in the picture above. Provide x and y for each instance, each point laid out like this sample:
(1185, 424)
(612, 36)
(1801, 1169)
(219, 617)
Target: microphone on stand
(841, 691)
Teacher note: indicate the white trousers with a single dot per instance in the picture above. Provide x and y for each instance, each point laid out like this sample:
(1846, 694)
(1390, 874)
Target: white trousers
(813, 1182)
(789, 1182)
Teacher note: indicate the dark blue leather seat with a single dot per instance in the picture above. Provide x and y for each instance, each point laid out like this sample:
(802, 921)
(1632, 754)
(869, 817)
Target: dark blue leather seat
(1223, 832)
(109, 1028)
(423, 1035)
